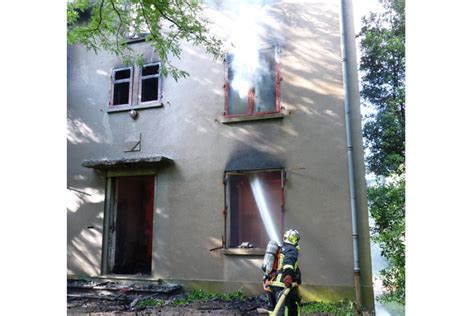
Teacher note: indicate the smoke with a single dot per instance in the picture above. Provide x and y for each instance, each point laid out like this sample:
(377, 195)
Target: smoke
(244, 44)
(263, 209)
(247, 37)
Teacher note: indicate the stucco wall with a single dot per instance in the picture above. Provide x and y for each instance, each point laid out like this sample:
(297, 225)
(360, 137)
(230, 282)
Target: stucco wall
(188, 219)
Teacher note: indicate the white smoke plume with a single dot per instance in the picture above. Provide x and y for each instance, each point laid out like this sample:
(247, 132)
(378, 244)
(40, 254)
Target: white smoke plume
(248, 35)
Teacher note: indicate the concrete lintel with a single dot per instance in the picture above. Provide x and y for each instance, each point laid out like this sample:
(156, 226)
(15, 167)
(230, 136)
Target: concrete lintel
(116, 163)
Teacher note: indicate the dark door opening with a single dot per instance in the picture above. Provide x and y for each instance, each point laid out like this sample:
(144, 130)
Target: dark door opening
(132, 250)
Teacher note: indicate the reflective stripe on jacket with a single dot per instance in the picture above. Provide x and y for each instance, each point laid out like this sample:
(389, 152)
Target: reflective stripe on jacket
(288, 264)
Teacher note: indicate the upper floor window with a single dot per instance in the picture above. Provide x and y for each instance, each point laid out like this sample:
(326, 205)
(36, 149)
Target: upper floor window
(129, 89)
(122, 86)
(252, 84)
(150, 83)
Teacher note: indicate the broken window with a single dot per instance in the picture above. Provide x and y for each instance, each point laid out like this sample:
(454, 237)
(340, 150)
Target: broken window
(122, 86)
(255, 204)
(150, 83)
(252, 84)
(131, 232)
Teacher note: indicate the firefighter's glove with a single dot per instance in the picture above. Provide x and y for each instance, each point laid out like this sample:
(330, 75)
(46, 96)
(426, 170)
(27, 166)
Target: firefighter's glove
(287, 279)
(266, 286)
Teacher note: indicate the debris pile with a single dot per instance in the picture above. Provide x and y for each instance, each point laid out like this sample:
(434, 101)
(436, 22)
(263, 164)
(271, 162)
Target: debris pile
(87, 297)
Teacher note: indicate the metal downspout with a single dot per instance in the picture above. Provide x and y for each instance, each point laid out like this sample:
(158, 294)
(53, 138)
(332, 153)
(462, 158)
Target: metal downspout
(346, 10)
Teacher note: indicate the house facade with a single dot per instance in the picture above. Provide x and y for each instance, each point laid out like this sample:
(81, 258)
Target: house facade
(186, 181)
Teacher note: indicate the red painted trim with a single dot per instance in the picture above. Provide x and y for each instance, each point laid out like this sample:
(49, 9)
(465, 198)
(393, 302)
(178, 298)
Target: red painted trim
(251, 101)
(251, 94)
(250, 115)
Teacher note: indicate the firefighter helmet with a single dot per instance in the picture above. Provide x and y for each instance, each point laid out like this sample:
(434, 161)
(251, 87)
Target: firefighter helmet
(291, 236)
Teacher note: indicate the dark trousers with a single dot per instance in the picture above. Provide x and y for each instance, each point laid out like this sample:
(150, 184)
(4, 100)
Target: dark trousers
(291, 301)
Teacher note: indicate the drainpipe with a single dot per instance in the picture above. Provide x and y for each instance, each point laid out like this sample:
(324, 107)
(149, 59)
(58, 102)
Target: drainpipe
(349, 66)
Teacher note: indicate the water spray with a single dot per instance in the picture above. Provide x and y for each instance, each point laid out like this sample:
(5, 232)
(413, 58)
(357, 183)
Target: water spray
(263, 209)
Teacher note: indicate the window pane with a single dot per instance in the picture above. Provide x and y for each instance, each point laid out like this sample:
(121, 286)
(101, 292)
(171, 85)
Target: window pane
(238, 89)
(265, 92)
(150, 70)
(122, 74)
(149, 89)
(246, 223)
(121, 93)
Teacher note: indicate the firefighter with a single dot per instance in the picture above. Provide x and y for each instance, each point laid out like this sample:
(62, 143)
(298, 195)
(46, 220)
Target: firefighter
(287, 273)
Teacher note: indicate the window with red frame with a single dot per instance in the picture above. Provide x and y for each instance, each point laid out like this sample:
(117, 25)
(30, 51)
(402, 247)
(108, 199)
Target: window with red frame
(252, 88)
(244, 219)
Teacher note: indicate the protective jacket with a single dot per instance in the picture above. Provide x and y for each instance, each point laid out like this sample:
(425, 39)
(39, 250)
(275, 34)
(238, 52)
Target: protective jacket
(287, 265)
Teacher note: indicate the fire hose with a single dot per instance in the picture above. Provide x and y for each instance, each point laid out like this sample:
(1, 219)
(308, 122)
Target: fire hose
(281, 300)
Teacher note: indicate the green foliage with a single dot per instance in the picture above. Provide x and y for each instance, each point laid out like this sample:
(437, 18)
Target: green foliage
(383, 87)
(200, 295)
(150, 302)
(341, 308)
(387, 207)
(109, 24)
(194, 296)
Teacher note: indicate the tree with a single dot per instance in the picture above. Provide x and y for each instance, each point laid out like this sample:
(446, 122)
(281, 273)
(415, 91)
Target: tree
(383, 89)
(109, 24)
(387, 207)
(383, 86)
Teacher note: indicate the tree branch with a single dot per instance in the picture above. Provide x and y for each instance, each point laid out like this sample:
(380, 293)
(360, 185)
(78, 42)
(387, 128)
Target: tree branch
(120, 25)
(100, 20)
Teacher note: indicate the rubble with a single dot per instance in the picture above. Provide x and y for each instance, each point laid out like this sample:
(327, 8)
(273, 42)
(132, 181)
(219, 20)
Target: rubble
(88, 296)
(92, 297)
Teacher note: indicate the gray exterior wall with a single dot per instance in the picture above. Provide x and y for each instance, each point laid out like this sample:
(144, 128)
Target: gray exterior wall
(188, 217)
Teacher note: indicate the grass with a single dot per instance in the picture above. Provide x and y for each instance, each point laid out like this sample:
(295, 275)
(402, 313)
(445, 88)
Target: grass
(200, 295)
(197, 295)
(150, 302)
(341, 308)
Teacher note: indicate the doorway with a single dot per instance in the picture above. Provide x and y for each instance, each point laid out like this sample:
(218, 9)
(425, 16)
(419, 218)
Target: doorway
(131, 229)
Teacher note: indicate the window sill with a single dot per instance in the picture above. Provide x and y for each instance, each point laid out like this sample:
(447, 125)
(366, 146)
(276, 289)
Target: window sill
(243, 252)
(124, 108)
(229, 120)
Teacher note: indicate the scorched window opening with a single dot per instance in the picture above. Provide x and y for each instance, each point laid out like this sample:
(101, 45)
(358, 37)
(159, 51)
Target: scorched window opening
(252, 90)
(245, 216)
